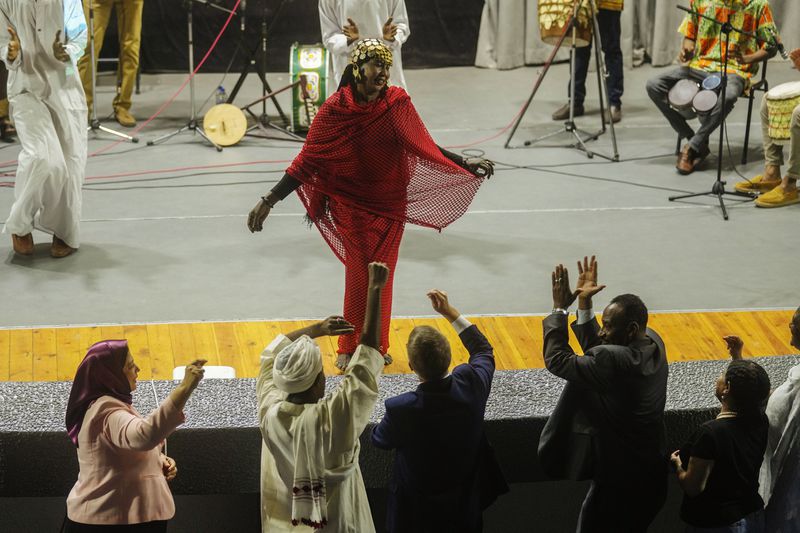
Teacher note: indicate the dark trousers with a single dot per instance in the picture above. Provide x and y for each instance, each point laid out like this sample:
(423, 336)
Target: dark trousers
(609, 22)
(622, 508)
(159, 526)
(658, 89)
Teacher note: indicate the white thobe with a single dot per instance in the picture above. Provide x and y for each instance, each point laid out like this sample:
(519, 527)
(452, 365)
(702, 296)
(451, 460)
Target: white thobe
(783, 411)
(49, 110)
(342, 416)
(369, 16)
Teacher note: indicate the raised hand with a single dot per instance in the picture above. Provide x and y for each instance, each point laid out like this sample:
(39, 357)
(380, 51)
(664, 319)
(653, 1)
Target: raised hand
(168, 467)
(563, 296)
(483, 168)
(193, 374)
(13, 45)
(441, 304)
(734, 345)
(350, 31)
(389, 30)
(332, 326)
(587, 281)
(59, 48)
(794, 55)
(378, 274)
(257, 216)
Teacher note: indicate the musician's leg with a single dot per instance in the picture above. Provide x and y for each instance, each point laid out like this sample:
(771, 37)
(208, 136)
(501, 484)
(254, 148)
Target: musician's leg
(658, 90)
(711, 120)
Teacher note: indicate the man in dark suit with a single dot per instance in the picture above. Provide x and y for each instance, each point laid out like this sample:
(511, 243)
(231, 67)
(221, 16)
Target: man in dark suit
(622, 384)
(445, 472)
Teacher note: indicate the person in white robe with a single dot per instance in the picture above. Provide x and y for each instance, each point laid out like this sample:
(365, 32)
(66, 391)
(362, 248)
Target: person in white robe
(345, 22)
(779, 478)
(40, 43)
(779, 482)
(310, 477)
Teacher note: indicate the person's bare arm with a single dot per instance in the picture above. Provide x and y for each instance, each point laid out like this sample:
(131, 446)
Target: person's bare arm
(694, 478)
(378, 277)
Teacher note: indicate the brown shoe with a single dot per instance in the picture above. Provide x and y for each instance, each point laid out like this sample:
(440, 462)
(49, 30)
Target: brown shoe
(614, 113)
(22, 245)
(124, 117)
(688, 159)
(562, 113)
(60, 249)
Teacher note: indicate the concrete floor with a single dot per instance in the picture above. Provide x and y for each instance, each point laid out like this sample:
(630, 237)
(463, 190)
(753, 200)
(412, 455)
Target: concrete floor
(173, 246)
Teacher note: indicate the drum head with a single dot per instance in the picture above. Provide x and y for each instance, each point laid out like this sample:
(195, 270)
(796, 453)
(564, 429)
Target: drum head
(225, 124)
(712, 82)
(784, 91)
(704, 101)
(682, 94)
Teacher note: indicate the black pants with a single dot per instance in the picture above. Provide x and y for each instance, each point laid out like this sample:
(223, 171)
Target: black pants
(609, 22)
(159, 526)
(622, 508)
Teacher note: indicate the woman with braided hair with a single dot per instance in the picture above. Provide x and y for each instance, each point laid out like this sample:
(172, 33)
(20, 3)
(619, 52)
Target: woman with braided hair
(368, 167)
(718, 468)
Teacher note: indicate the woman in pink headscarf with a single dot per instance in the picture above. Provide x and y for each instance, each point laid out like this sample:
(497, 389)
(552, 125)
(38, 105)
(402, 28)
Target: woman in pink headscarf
(123, 474)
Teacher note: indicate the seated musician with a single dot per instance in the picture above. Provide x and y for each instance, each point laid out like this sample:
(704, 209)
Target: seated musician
(701, 56)
(778, 191)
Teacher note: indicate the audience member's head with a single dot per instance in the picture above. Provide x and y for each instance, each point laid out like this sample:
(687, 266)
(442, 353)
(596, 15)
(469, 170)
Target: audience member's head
(794, 327)
(744, 387)
(624, 320)
(298, 371)
(107, 370)
(428, 353)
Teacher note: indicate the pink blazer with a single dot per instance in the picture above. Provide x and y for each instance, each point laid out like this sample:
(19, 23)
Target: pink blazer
(121, 480)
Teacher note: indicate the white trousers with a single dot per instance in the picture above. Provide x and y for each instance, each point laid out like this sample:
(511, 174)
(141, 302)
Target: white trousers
(52, 164)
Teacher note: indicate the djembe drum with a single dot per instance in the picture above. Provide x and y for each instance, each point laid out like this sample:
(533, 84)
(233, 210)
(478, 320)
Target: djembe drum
(554, 15)
(781, 102)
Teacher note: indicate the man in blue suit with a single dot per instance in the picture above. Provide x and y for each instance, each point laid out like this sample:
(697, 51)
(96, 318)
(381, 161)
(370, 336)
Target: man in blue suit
(445, 472)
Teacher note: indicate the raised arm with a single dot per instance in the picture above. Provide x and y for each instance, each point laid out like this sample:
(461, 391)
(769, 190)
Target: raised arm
(131, 432)
(349, 408)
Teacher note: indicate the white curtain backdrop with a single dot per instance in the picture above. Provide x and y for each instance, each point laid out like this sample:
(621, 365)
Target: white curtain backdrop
(509, 33)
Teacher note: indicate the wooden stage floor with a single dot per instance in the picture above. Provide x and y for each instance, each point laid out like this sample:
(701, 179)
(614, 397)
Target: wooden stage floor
(52, 354)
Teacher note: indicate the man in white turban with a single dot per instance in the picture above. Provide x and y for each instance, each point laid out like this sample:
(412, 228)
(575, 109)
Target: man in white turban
(310, 478)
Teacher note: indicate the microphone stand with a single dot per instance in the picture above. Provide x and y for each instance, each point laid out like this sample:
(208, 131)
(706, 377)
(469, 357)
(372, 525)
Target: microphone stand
(718, 188)
(192, 124)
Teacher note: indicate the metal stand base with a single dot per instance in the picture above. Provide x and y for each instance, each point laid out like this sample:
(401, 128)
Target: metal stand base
(190, 126)
(581, 138)
(718, 190)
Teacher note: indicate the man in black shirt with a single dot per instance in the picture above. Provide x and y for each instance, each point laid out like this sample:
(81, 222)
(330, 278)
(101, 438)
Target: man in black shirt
(622, 383)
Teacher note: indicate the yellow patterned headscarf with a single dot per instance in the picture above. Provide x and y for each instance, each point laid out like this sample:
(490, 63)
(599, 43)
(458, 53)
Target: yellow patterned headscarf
(367, 49)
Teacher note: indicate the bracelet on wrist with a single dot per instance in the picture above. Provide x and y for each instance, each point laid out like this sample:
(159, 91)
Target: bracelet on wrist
(266, 201)
(560, 310)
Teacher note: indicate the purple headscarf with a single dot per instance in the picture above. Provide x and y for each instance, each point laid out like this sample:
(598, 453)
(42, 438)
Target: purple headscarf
(100, 374)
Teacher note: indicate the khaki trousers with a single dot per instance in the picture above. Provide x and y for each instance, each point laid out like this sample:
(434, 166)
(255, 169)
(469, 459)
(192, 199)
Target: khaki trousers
(773, 152)
(129, 25)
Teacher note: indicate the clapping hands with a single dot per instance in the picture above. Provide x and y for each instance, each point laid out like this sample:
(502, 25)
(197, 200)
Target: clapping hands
(389, 30)
(350, 31)
(13, 45)
(586, 287)
(60, 48)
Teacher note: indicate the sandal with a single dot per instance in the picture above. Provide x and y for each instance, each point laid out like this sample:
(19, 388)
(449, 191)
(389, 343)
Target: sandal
(342, 360)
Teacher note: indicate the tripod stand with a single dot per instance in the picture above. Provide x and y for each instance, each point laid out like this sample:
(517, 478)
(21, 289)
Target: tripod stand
(191, 125)
(257, 60)
(718, 188)
(94, 123)
(580, 136)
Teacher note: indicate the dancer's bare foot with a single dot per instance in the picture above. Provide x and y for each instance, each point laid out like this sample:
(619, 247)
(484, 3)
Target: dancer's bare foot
(342, 360)
(387, 359)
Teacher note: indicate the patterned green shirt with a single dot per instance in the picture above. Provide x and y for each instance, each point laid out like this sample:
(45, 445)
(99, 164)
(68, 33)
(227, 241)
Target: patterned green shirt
(753, 16)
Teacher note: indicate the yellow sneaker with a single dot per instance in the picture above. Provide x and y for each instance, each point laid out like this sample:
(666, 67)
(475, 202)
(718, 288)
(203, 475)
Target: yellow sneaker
(757, 184)
(778, 197)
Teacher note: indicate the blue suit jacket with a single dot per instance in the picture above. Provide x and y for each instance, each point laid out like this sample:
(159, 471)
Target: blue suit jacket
(445, 472)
